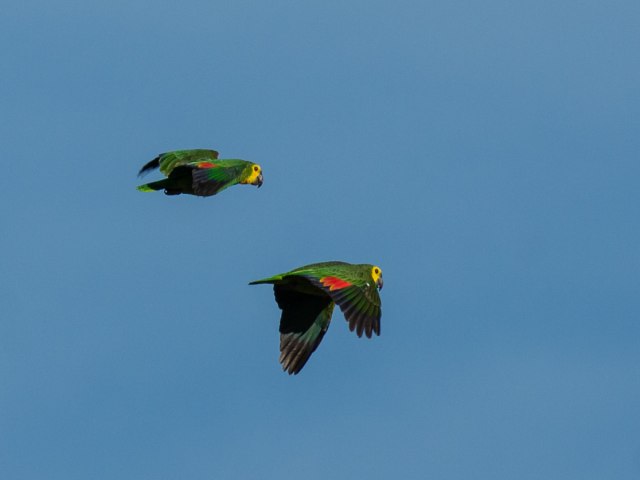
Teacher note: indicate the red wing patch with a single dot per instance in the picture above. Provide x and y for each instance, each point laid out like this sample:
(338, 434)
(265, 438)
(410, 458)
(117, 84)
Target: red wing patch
(334, 283)
(206, 165)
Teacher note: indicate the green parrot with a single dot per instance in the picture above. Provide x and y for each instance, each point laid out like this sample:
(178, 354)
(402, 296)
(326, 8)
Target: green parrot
(307, 296)
(199, 172)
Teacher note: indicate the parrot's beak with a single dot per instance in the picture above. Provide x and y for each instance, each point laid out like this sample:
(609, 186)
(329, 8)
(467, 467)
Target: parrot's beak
(380, 283)
(258, 181)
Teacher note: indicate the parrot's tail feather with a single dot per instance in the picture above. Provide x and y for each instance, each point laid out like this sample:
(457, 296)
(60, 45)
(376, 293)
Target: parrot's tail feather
(264, 280)
(153, 186)
(155, 163)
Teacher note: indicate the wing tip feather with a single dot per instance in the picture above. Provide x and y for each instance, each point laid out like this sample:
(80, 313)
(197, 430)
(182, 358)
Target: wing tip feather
(151, 165)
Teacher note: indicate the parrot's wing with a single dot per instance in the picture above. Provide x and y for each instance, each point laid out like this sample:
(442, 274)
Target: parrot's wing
(210, 178)
(304, 321)
(358, 300)
(170, 160)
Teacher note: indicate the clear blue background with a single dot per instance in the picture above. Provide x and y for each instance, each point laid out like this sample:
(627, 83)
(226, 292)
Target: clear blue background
(484, 154)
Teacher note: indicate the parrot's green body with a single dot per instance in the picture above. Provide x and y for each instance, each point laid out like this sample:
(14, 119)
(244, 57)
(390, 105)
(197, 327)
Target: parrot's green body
(199, 172)
(307, 296)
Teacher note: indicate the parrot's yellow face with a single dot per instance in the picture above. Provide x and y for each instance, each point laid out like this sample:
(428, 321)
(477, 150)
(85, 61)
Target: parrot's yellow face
(255, 177)
(376, 275)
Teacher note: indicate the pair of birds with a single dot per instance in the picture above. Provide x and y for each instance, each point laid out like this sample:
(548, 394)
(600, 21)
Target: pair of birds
(306, 295)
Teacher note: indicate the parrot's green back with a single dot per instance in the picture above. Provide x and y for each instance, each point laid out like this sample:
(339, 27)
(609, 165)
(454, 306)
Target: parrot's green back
(170, 160)
(313, 269)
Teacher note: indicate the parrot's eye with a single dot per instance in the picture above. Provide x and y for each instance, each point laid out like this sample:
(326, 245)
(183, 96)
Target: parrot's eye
(255, 168)
(376, 270)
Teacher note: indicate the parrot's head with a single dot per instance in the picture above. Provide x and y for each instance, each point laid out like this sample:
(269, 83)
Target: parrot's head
(255, 175)
(376, 275)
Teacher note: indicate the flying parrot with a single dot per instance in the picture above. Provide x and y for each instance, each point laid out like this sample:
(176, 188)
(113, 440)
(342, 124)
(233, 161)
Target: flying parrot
(199, 172)
(307, 296)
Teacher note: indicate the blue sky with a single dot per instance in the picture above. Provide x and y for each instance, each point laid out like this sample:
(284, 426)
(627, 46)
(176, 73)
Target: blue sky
(484, 154)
